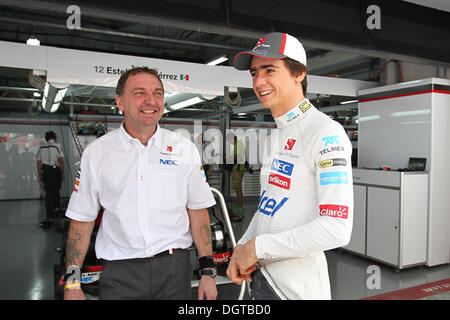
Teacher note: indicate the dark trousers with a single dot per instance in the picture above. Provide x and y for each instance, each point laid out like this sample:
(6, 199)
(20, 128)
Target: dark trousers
(51, 177)
(162, 277)
(261, 289)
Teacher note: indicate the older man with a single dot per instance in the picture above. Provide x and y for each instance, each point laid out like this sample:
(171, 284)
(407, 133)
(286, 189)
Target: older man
(152, 188)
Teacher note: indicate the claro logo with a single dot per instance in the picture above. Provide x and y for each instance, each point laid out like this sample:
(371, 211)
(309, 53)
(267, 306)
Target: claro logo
(334, 210)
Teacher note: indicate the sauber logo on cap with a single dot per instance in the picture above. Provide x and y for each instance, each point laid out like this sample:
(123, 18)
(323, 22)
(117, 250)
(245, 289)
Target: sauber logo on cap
(334, 210)
(261, 41)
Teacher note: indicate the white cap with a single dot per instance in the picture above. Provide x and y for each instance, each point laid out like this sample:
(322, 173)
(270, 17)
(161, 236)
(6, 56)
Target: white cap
(274, 45)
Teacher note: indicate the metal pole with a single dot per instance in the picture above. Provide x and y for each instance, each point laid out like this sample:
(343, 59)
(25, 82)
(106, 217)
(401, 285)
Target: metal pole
(224, 125)
(229, 228)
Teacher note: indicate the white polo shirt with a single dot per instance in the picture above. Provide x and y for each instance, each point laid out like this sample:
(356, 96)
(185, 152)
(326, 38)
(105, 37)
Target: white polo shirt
(49, 153)
(144, 192)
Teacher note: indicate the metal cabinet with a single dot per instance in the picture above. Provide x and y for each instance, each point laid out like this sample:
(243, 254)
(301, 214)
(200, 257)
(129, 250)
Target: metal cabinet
(390, 217)
(383, 219)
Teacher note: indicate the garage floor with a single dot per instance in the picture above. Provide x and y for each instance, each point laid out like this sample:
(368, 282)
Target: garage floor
(28, 254)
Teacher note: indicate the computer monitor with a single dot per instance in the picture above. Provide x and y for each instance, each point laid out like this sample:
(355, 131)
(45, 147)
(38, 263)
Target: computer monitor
(417, 164)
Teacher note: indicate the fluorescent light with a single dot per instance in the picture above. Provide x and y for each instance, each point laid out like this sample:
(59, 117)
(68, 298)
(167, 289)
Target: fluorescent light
(52, 97)
(32, 41)
(242, 114)
(168, 94)
(55, 107)
(184, 104)
(369, 118)
(217, 61)
(60, 95)
(410, 113)
(350, 101)
(46, 89)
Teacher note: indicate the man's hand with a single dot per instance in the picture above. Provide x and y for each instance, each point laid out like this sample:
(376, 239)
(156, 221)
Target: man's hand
(242, 262)
(207, 288)
(74, 294)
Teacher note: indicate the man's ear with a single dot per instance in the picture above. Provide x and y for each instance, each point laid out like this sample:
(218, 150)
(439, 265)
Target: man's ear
(119, 102)
(300, 77)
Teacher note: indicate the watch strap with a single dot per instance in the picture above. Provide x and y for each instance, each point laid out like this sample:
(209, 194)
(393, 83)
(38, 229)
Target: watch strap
(206, 262)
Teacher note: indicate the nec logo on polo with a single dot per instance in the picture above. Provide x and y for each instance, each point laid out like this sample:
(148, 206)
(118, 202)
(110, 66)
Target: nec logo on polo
(282, 167)
(270, 206)
(168, 162)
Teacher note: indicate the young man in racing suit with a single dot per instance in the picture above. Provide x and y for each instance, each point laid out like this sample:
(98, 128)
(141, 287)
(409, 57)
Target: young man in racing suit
(306, 201)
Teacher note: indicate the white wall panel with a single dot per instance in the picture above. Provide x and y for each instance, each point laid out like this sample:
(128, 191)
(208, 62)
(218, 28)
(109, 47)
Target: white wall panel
(393, 130)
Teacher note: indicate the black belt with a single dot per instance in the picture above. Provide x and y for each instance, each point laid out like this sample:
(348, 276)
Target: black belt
(162, 253)
(167, 252)
(49, 166)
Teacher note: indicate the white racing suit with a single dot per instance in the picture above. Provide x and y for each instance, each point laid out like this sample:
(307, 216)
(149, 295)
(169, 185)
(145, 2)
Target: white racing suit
(306, 203)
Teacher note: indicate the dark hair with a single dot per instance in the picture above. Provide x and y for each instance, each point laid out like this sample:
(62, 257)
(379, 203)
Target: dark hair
(131, 72)
(295, 68)
(50, 135)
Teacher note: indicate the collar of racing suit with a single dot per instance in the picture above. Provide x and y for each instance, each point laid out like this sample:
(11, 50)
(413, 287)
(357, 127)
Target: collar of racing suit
(295, 113)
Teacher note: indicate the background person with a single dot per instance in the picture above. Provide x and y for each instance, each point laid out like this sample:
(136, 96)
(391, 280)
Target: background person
(306, 202)
(50, 170)
(154, 194)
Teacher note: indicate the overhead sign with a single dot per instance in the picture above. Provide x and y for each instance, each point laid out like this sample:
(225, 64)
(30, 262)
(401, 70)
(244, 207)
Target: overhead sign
(68, 66)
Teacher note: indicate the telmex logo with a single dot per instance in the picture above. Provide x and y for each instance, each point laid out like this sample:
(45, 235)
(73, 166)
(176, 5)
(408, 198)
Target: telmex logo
(270, 206)
(280, 181)
(168, 162)
(330, 140)
(282, 167)
(332, 149)
(332, 162)
(333, 210)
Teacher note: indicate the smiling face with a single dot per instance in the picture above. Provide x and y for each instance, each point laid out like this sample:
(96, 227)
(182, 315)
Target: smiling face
(142, 103)
(275, 86)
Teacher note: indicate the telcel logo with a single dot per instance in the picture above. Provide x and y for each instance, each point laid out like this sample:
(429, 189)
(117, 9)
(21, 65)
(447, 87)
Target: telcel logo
(168, 162)
(282, 167)
(330, 140)
(270, 206)
(334, 210)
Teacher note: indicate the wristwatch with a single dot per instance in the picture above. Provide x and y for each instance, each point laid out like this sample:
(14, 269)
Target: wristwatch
(206, 262)
(208, 272)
